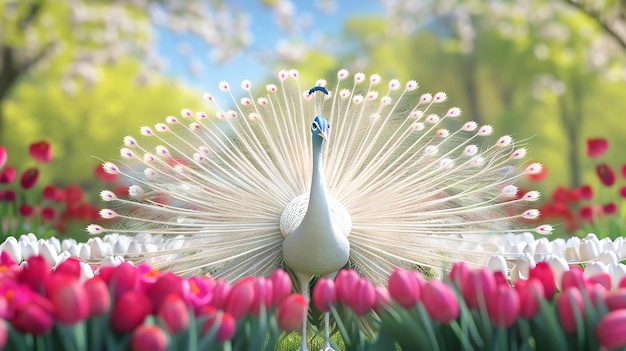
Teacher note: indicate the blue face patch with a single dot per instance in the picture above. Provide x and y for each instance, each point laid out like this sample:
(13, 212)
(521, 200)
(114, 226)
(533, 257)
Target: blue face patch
(320, 126)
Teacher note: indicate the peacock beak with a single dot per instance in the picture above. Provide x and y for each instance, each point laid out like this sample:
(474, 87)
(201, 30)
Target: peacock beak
(323, 135)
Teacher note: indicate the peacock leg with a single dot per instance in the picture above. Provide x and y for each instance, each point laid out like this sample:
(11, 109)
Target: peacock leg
(327, 333)
(304, 285)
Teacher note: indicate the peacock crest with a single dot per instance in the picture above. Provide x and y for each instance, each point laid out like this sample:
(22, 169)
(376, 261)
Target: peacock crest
(406, 183)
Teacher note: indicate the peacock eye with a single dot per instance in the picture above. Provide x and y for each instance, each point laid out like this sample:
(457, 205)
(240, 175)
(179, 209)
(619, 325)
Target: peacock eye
(315, 126)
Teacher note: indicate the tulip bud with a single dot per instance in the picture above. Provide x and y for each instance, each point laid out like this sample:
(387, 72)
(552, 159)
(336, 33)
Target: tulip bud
(32, 318)
(69, 298)
(503, 307)
(226, 328)
(611, 330)
(263, 295)
(478, 288)
(240, 298)
(7, 175)
(292, 312)
(569, 304)
(344, 285)
(282, 285)
(148, 337)
(404, 288)
(98, 296)
(220, 293)
(383, 299)
(440, 301)
(125, 278)
(363, 298)
(173, 312)
(130, 311)
(543, 273)
(35, 273)
(29, 178)
(324, 294)
(529, 292)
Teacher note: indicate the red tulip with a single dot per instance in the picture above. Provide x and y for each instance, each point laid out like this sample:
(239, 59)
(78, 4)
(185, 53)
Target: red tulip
(48, 214)
(25, 210)
(69, 298)
(240, 298)
(606, 174)
(569, 304)
(478, 288)
(609, 209)
(29, 178)
(622, 192)
(586, 192)
(291, 313)
(611, 330)
(130, 311)
(544, 274)
(49, 193)
(586, 213)
(363, 298)
(103, 176)
(4, 156)
(440, 301)
(9, 195)
(148, 337)
(282, 285)
(562, 194)
(597, 147)
(529, 292)
(324, 294)
(40, 151)
(404, 287)
(503, 307)
(7, 176)
(98, 296)
(173, 311)
(226, 328)
(344, 285)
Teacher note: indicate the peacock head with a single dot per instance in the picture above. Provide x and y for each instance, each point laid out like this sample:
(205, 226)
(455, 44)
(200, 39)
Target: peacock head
(320, 128)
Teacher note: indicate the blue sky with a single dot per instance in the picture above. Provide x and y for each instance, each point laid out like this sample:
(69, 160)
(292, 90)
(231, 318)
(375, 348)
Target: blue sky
(266, 33)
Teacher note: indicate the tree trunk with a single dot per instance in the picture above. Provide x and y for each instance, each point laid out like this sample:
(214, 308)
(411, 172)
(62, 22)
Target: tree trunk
(468, 79)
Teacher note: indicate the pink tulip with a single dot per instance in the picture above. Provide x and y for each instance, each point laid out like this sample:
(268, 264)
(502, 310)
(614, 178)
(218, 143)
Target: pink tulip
(130, 311)
(4, 156)
(69, 298)
(35, 274)
(226, 328)
(569, 303)
(124, 278)
(263, 295)
(345, 282)
(282, 285)
(40, 151)
(164, 285)
(602, 279)
(363, 298)
(148, 337)
(573, 279)
(32, 318)
(291, 313)
(529, 292)
(7, 175)
(220, 293)
(478, 288)
(98, 296)
(611, 330)
(404, 288)
(616, 300)
(173, 311)
(4, 333)
(383, 299)
(198, 291)
(503, 307)
(459, 272)
(240, 298)
(544, 274)
(440, 301)
(324, 294)
(70, 267)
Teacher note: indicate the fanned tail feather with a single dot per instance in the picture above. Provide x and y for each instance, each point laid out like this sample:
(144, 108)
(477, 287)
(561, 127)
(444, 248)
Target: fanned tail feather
(210, 191)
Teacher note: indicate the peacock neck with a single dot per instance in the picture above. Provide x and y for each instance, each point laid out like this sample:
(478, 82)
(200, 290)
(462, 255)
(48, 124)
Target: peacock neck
(318, 199)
